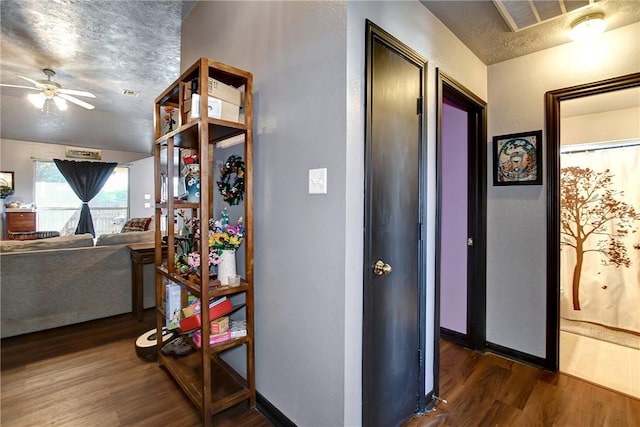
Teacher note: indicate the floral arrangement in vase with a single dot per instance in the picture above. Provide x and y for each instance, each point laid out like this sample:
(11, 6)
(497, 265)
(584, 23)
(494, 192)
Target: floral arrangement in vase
(226, 239)
(187, 257)
(223, 240)
(223, 236)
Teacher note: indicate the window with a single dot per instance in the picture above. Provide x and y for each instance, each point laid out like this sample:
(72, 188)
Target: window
(59, 207)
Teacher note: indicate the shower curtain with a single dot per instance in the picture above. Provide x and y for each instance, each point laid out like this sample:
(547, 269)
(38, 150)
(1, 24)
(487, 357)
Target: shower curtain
(608, 295)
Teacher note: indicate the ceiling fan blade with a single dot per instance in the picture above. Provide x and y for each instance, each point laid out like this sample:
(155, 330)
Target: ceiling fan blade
(76, 92)
(75, 101)
(20, 87)
(37, 84)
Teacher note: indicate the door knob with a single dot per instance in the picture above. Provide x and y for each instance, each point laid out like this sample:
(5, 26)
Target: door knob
(381, 268)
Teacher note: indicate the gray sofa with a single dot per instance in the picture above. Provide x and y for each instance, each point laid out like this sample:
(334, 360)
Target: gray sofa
(64, 280)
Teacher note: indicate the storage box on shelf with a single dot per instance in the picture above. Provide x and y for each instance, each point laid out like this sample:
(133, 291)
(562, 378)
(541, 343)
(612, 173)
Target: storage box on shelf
(210, 383)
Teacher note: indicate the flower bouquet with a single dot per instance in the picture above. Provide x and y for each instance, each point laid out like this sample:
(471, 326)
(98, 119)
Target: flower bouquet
(223, 236)
(187, 257)
(225, 239)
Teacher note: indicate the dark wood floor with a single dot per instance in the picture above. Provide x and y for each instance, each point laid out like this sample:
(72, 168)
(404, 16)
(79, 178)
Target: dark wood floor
(89, 375)
(488, 390)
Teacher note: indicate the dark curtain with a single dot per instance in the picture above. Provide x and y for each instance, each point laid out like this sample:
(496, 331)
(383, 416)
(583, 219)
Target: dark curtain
(86, 179)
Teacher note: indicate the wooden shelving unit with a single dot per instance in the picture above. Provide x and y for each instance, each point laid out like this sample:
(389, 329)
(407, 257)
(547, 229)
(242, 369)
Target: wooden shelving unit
(209, 382)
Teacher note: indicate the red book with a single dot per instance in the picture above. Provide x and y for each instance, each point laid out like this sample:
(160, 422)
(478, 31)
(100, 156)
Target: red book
(194, 322)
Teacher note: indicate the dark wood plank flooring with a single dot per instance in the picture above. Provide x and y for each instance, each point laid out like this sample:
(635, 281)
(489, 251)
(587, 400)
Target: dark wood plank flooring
(488, 390)
(89, 375)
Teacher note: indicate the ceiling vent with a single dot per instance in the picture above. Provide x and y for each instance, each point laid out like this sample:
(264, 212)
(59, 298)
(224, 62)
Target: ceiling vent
(129, 92)
(519, 14)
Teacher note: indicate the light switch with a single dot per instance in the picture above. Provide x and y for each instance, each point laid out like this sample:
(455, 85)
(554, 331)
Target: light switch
(147, 205)
(318, 181)
(147, 196)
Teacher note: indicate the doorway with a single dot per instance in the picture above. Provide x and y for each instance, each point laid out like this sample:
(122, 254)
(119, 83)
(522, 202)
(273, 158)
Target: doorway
(461, 215)
(394, 259)
(557, 227)
(599, 266)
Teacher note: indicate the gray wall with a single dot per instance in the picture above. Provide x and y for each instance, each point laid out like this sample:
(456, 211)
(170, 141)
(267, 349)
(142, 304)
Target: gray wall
(516, 215)
(297, 54)
(308, 65)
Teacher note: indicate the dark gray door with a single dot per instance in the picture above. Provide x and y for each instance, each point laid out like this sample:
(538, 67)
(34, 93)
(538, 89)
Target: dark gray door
(393, 375)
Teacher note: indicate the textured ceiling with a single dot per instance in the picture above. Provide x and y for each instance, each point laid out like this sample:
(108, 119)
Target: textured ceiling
(482, 29)
(104, 46)
(97, 46)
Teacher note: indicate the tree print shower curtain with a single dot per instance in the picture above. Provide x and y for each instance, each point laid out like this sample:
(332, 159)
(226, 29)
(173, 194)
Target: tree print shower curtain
(600, 237)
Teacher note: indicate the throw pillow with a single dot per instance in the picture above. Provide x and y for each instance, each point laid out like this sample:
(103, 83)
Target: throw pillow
(136, 224)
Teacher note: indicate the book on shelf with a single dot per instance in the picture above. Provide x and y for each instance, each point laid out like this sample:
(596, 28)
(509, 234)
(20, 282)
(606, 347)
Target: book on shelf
(173, 303)
(217, 308)
(213, 338)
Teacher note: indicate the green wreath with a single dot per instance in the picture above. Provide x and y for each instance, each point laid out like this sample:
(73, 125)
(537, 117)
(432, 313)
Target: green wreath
(232, 193)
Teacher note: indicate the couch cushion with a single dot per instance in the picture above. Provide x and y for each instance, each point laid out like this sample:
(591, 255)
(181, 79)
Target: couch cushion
(125, 238)
(27, 235)
(136, 224)
(65, 242)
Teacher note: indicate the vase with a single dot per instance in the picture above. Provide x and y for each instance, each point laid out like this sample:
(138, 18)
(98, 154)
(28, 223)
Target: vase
(192, 183)
(227, 266)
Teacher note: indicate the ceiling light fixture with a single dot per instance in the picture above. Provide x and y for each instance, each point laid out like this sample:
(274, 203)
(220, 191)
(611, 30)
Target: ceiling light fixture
(588, 27)
(37, 99)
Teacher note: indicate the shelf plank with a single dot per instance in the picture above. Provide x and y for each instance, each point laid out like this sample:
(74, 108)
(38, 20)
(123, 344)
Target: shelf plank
(176, 205)
(226, 391)
(187, 135)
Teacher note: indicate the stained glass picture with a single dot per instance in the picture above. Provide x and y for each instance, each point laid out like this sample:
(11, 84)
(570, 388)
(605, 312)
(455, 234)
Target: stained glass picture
(518, 159)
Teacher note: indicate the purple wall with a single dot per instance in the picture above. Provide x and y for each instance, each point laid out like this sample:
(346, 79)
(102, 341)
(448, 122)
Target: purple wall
(453, 249)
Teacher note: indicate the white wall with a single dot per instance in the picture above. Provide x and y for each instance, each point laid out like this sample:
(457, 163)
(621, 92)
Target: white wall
(516, 215)
(598, 127)
(18, 156)
(141, 183)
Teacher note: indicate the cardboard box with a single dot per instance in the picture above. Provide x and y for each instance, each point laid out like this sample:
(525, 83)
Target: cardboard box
(238, 328)
(219, 90)
(218, 109)
(220, 325)
(224, 92)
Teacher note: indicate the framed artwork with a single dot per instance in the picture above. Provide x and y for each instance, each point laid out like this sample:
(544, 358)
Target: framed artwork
(517, 159)
(6, 180)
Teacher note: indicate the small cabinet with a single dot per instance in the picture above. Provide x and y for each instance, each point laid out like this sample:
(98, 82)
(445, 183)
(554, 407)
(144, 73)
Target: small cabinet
(20, 222)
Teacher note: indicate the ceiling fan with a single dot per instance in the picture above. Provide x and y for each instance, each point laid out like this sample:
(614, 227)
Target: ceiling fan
(52, 91)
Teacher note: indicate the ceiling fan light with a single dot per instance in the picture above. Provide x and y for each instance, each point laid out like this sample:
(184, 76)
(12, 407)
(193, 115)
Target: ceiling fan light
(37, 99)
(60, 103)
(588, 27)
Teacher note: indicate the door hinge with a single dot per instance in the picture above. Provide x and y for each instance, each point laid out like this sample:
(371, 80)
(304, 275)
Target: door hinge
(419, 106)
(419, 358)
(419, 231)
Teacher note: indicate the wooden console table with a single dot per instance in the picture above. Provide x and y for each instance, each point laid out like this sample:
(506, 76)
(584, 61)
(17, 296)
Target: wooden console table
(141, 253)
